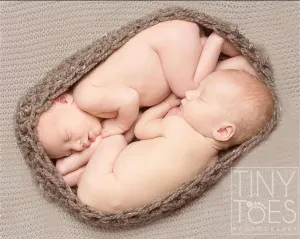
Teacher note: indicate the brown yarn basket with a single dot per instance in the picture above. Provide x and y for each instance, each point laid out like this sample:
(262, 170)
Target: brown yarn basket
(38, 99)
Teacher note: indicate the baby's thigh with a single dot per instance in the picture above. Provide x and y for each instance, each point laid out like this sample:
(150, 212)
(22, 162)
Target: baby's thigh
(104, 158)
(179, 48)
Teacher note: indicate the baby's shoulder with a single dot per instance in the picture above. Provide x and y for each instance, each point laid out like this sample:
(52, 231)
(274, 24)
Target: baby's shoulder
(175, 126)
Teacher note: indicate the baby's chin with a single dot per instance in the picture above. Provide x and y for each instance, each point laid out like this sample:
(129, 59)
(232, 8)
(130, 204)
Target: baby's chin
(174, 111)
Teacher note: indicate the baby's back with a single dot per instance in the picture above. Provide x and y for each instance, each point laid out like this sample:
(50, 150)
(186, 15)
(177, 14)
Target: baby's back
(148, 169)
(145, 170)
(138, 64)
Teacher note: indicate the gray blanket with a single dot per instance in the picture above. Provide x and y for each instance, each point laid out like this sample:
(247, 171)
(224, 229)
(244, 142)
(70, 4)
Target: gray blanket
(35, 36)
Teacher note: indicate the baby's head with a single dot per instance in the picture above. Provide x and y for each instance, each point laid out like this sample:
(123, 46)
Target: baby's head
(229, 107)
(64, 128)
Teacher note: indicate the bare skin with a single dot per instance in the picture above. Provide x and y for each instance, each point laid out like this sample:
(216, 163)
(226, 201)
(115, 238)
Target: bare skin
(117, 93)
(173, 56)
(170, 56)
(73, 166)
(181, 138)
(76, 162)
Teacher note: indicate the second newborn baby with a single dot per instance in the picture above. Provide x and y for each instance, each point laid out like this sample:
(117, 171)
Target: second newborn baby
(178, 140)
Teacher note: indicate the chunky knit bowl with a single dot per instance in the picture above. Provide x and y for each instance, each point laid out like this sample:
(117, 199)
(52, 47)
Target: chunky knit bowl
(39, 98)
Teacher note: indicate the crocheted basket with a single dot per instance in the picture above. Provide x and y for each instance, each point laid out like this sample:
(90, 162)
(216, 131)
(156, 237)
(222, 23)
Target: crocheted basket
(38, 99)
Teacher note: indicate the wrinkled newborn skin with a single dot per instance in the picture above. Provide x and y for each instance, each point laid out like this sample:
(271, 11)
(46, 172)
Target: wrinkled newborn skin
(177, 141)
(143, 72)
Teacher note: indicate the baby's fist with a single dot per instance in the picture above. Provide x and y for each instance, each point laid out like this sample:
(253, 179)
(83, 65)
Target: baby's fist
(111, 127)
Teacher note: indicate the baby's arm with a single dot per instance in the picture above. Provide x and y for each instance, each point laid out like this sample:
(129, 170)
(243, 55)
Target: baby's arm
(214, 45)
(98, 186)
(179, 49)
(71, 167)
(150, 124)
(102, 100)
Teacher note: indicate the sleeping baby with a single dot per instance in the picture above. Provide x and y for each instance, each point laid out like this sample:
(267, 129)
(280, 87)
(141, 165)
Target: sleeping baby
(173, 56)
(180, 142)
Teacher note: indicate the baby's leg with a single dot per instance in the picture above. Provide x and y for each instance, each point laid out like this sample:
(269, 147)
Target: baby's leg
(98, 186)
(106, 165)
(71, 167)
(179, 51)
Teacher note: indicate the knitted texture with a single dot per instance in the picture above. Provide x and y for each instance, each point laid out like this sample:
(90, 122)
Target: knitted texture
(38, 99)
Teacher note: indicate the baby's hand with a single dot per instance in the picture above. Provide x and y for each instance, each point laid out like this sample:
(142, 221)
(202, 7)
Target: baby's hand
(111, 127)
(229, 49)
(70, 167)
(172, 100)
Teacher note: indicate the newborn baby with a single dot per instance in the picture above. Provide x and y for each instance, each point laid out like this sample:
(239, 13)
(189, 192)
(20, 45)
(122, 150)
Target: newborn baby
(170, 56)
(178, 140)
(151, 71)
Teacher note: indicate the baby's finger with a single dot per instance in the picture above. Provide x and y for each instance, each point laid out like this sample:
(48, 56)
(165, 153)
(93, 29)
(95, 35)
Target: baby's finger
(73, 178)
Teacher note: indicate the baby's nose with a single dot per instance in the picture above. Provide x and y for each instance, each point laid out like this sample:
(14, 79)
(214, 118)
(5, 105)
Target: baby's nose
(81, 144)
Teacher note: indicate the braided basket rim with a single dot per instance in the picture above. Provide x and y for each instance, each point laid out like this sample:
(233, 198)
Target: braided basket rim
(58, 80)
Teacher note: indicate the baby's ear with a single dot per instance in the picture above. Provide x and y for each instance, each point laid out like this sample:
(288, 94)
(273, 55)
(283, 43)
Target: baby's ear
(64, 98)
(224, 132)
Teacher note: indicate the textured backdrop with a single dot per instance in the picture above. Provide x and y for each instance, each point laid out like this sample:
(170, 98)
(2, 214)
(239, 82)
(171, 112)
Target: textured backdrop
(36, 36)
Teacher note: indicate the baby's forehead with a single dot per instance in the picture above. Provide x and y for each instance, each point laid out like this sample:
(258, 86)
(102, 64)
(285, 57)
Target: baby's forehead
(51, 118)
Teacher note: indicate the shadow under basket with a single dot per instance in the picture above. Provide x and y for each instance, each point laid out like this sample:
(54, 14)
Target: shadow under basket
(39, 98)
